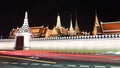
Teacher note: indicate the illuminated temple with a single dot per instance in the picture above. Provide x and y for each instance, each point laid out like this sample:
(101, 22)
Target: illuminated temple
(61, 38)
(98, 29)
(58, 30)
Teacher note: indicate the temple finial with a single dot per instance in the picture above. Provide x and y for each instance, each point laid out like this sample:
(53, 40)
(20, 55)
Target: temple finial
(26, 19)
(96, 23)
(77, 30)
(71, 26)
(26, 15)
(25, 27)
(96, 19)
(58, 21)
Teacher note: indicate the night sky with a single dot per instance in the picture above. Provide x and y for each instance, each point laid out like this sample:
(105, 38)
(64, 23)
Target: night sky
(44, 12)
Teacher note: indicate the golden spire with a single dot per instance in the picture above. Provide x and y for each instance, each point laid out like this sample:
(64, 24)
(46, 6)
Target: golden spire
(96, 19)
(71, 26)
(96, 23)
(77, 30)
(58, 21)
(71, 30)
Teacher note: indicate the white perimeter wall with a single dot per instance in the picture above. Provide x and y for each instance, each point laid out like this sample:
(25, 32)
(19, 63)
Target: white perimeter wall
(7, 45)
(111, 43)
(76, 44)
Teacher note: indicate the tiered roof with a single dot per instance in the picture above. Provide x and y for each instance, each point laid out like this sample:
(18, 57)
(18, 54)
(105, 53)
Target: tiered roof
(109, 27)
(37, 31)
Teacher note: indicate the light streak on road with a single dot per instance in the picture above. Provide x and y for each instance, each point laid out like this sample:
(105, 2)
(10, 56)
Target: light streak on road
(61, 56)
(50, 62)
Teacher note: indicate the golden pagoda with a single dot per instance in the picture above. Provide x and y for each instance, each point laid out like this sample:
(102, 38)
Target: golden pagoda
(77, 29)
(96, 24)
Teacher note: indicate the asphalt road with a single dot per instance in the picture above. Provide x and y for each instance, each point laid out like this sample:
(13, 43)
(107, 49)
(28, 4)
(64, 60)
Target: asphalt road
(7, 61)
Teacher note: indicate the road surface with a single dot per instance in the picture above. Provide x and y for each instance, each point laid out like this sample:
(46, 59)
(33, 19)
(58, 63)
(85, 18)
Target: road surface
(18, 59)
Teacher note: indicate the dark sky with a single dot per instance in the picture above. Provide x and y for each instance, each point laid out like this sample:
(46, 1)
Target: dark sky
(44, 12)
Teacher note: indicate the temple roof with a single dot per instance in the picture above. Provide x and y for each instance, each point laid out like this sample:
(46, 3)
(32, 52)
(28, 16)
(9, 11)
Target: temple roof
(36, 31)
(25, 27)
(109, 27)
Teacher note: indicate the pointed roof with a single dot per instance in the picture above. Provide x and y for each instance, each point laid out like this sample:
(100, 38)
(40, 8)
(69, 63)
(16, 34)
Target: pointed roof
(96, 19)
(26, 19)
(76, 25)
(25, 27)
(71, 26)
(76, 22)
(26, 15)
(96, 23)
(58, 21)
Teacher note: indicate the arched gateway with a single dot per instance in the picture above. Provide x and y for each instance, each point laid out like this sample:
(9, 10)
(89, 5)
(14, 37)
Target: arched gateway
(23, 36)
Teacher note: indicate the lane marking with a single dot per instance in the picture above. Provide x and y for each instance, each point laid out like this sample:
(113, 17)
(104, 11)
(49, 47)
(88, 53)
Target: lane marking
(24, 63)
(51, 62)
(34, 64)
(57, 65)
(71, 65)
(46, 64)
(5, 62)
(99, 66)
(115, 67)
(14, 63)
(84, 65)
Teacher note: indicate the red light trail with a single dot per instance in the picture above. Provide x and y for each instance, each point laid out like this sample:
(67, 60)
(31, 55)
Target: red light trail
(62, 56)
